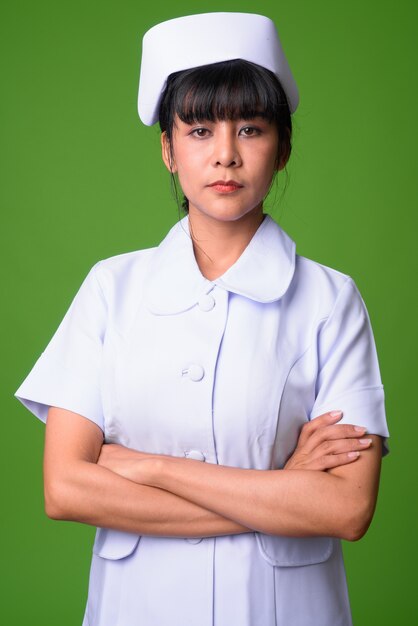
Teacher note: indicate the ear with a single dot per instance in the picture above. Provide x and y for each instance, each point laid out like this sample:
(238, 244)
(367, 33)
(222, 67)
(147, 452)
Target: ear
(283, 160)
(281, 164)
(165, 153)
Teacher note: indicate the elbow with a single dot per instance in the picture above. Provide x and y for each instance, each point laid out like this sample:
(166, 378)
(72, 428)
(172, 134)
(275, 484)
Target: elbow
(54, 501)
(354, 532)
(357, 524)
(52, 511)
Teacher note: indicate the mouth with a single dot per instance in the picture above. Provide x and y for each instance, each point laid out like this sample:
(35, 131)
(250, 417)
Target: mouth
(226, 186)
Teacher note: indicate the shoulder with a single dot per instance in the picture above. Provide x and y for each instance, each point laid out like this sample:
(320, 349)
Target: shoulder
(325, 277)
(122, 271)
(320, 287)
(121, 264)
(313, 288)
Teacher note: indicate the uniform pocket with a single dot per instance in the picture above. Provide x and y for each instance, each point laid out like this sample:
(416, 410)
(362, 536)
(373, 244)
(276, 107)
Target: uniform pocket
(114, 544)
(294, 551)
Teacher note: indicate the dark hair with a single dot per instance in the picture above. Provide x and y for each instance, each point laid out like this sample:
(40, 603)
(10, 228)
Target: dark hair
(228, 90)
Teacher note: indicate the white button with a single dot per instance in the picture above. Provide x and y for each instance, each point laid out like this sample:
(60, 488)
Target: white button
(197, 455)
(193, 539)
(195, 372)
(206, 302)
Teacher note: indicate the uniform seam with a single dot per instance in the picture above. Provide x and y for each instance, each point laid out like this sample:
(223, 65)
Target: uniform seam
(97, 280)
(334, 306)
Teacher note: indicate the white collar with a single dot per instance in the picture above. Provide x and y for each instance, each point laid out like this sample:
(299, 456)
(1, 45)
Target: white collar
(263, 272)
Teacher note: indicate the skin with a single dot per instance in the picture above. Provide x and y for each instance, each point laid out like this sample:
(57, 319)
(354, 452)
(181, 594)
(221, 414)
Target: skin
(242, 150)
(112, 486)
(324, 489)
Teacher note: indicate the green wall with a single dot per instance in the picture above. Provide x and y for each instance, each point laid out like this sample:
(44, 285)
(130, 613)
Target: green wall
(82, 180)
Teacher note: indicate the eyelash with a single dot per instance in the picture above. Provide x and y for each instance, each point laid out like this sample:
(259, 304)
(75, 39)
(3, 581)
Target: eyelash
(196, 131)
(256, 132)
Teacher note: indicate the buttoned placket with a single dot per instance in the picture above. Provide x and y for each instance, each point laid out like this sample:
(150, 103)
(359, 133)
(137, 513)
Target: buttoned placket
(208, 319)
(199, 373)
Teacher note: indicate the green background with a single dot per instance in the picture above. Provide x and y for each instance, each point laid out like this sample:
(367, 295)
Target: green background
(82, 180)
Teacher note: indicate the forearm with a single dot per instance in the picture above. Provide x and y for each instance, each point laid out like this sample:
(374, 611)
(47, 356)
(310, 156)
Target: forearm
(96, 495)
(278, 502)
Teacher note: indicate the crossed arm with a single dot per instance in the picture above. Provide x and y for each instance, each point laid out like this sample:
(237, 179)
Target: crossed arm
(321, 491)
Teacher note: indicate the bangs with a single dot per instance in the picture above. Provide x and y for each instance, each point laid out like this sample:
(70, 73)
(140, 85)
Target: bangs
(229, 90)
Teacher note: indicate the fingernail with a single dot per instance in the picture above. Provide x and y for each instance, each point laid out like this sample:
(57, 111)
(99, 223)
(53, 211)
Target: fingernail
(360, 429)
(336, 413)
(365, 441)
(352, 455)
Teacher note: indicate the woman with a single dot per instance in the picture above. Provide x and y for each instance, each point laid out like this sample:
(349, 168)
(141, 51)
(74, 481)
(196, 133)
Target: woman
(193, 392)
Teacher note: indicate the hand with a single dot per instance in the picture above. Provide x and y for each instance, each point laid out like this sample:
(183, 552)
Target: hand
(323, 444)
(124, 461)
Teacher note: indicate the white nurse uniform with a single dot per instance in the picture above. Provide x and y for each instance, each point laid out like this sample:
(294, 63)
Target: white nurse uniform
(224, 371)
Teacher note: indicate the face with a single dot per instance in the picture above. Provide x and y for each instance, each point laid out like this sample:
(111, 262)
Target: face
(225, 168)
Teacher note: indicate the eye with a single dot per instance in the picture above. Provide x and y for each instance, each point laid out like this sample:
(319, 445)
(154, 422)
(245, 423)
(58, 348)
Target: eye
(250, 131)
(200, 132)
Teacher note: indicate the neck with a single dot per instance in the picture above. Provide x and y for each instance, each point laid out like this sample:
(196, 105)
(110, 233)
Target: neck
(217, 244)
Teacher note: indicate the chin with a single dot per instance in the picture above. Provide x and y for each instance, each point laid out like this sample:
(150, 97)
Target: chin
(228, 214)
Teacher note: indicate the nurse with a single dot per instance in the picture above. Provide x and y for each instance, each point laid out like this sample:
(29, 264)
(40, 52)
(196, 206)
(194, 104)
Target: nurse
(214, 405)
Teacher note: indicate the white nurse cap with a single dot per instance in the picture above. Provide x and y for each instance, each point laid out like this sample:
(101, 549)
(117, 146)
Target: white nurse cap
(196, 40)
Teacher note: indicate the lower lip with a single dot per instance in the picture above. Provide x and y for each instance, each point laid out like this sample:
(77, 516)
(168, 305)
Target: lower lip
(226, 188)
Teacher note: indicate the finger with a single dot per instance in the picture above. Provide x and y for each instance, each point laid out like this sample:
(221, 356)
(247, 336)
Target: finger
(333, 432)
(339, 446)
(329, 461)
(316, 423)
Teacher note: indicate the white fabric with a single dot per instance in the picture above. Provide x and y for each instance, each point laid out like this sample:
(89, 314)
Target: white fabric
(160, 366)
(196, 40)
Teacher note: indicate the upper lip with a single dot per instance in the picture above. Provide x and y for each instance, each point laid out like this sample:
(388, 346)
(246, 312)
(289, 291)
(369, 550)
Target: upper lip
(226, 183)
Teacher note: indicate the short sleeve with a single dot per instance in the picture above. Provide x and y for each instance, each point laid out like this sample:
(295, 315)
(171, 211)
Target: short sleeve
(68, 372)
(348, 368)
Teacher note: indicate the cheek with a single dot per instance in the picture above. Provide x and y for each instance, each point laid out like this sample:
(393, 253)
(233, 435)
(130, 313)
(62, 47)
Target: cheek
(183, 170)
(266, 165)
(186, 178)
(264, 158)
(274, 161)
(189, 166)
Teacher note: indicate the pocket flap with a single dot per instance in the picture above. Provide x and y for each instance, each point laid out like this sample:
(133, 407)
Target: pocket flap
(294, 551)
(114, 544)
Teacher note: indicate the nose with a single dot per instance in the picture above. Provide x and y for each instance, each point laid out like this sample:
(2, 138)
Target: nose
(226, 149)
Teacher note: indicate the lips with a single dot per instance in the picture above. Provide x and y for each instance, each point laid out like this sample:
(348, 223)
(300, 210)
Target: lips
(226, 185)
